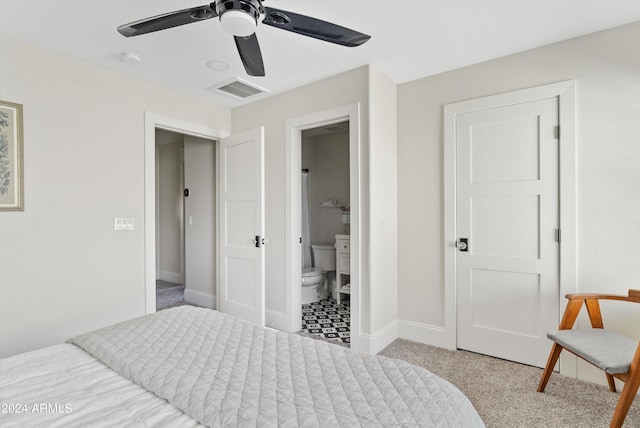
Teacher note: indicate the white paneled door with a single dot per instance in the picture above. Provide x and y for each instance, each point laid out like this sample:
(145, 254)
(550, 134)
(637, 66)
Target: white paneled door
(507, 216)
(241, 165)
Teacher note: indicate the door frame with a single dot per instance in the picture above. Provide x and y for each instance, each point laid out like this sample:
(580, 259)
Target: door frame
(151, 122)
(293, 255)
(565, 92)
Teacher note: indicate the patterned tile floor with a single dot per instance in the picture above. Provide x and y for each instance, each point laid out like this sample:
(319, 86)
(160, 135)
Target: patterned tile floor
(327, 318)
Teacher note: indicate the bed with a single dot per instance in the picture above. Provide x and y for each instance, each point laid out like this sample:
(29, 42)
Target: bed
(189, 367)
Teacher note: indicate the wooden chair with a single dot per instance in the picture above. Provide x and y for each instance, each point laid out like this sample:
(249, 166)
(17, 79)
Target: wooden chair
(617, 355)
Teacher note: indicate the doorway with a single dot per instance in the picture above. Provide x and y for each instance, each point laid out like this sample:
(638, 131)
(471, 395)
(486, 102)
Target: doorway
(185, 220)
(239, 215)
(509, 196)
(153, 122)
(325, 232)
(347, 118)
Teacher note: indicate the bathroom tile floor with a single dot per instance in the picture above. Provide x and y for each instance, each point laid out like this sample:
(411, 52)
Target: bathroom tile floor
(327, 319)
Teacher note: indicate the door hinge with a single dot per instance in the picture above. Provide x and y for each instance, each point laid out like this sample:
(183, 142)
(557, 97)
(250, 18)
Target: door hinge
(558, 235)
(557, 132)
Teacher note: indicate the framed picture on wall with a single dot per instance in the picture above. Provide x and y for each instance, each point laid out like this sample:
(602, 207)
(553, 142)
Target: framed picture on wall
(11, 161)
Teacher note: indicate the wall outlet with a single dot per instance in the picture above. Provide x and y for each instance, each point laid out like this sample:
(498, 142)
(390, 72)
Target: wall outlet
(123, 224)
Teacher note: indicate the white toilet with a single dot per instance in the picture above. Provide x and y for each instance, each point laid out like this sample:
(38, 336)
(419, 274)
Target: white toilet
(324, 257)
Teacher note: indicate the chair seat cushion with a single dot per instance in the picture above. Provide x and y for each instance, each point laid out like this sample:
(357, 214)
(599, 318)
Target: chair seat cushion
(610, 351)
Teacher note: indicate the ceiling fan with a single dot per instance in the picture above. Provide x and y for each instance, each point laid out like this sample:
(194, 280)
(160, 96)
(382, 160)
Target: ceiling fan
(240, 18)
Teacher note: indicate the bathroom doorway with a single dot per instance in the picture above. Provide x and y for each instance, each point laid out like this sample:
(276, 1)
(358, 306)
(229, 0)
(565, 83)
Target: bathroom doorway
(325, 231)
(327, 144)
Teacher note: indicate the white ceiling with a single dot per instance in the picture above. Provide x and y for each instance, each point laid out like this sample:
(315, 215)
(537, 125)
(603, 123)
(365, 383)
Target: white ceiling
(410, 38)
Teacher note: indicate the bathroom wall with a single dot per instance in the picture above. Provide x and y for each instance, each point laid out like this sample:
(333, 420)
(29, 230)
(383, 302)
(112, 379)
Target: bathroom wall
(326, 157)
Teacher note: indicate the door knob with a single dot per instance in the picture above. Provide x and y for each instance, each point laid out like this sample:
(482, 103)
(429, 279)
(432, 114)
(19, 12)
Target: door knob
(463, 244)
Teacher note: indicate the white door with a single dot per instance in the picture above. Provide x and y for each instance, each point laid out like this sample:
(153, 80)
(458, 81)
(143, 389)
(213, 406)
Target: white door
(507, 279)
(199, 220)
(241, 198)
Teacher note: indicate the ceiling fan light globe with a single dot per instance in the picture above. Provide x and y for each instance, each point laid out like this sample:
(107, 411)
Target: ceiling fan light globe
(238, 23)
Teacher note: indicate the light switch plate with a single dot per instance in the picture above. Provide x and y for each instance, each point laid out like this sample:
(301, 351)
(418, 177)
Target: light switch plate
(123, 224)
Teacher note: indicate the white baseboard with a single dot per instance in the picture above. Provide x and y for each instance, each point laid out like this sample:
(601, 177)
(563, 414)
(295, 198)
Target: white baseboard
(199, 298)
(174, 277)
(276, 320)
(422, 333)
(376, 342)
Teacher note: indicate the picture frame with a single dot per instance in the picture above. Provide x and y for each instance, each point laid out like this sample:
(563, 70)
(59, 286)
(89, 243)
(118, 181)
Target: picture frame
(11, 157)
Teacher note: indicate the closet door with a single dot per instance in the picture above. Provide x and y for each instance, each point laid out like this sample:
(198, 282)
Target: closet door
(507, 263)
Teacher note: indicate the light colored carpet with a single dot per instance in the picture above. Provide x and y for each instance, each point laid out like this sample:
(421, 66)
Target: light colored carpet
(504, 393)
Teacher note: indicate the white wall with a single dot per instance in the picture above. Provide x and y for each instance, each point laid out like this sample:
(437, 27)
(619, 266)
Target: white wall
(200, 226)
(327, 159)
(169, 209)
(607, 73)
(63, 270)
(383, 194)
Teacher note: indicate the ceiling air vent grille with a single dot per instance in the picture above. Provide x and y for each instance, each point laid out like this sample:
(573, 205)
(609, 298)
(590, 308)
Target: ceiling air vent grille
(237, 88)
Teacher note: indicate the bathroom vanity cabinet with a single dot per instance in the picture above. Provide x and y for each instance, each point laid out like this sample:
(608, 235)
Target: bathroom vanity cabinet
(343, 266)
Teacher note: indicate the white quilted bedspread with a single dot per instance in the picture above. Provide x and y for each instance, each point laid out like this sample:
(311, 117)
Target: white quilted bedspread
(223, 371)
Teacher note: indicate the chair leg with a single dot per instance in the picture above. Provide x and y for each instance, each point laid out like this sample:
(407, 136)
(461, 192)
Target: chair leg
(551, 363)
(624, 403)
(612, 383)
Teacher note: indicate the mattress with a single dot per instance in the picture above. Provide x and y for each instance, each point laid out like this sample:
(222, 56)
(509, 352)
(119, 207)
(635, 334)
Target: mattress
(64, 386)
(223, 371)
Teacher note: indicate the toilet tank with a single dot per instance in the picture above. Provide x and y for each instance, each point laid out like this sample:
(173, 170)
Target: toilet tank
(324, 256)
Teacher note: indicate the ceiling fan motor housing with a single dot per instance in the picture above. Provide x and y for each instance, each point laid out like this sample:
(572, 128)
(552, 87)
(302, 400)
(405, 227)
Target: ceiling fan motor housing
(241, 15)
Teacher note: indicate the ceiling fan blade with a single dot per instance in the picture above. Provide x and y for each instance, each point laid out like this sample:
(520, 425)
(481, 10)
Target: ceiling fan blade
(167, 20)
(313, 27)
(250, 54)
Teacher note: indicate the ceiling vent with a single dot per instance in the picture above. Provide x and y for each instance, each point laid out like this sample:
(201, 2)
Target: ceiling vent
(237, 88)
